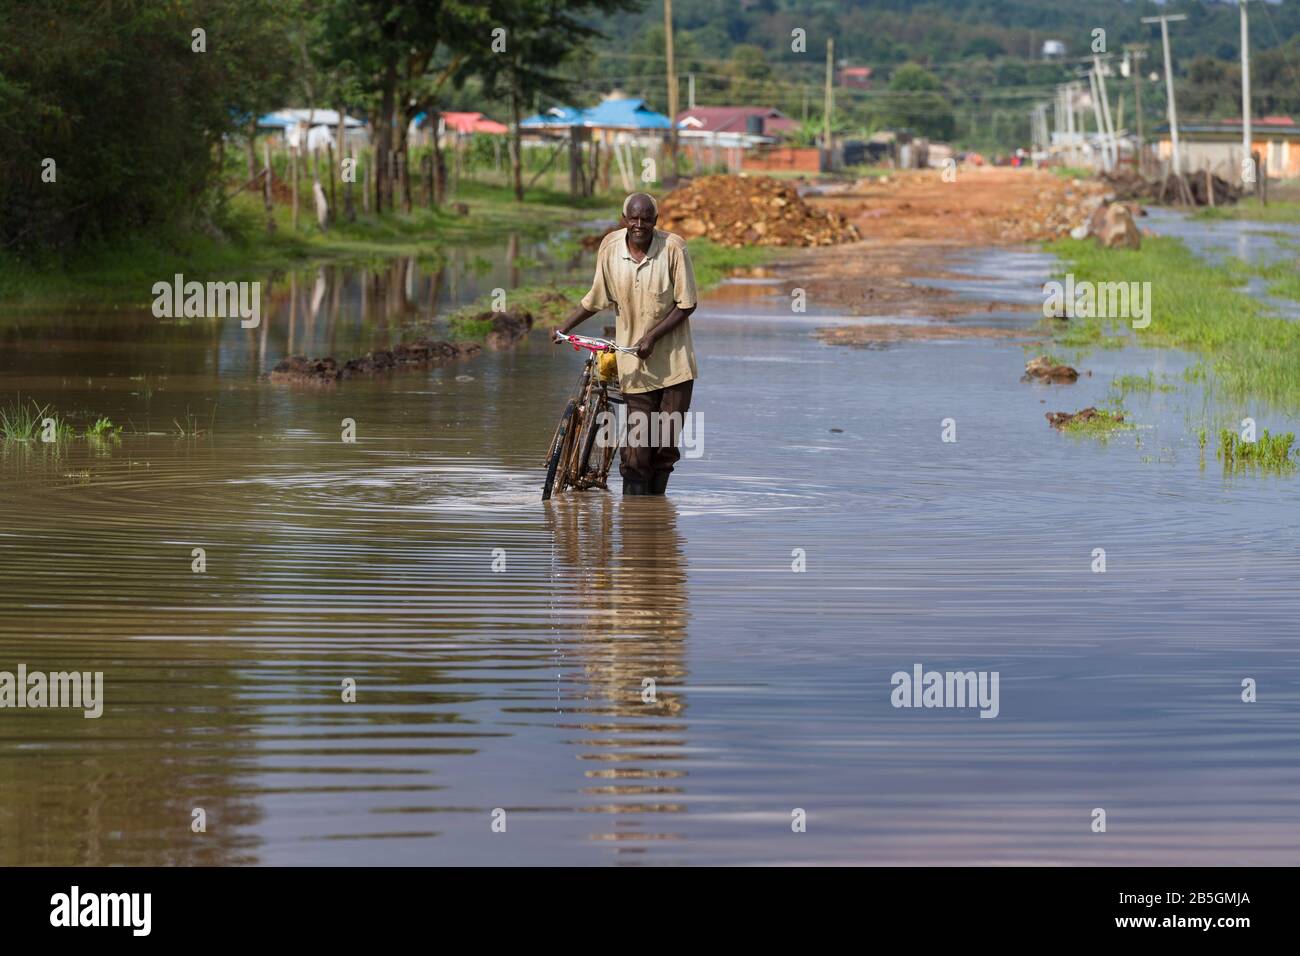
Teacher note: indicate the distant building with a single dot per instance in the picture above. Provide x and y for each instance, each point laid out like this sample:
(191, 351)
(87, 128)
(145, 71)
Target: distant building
(856, 77)
(613, 114)
(1053, 49)
(618, 123)
(734, 125)
(293, 126)
(468, 123)
(453, 124)
(1217, 146)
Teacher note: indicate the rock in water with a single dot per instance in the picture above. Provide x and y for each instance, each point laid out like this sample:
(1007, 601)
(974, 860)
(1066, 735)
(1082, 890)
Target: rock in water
(1117, 230)
(1041, 369)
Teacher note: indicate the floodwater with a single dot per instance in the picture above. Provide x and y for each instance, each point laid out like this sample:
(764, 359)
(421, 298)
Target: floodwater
(524, 688)
(1254, 243)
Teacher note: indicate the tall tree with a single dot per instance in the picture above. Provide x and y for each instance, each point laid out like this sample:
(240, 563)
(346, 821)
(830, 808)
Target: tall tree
(539, 36)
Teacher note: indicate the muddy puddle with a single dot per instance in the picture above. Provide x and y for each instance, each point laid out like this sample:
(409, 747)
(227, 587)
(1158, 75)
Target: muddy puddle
(522, 688)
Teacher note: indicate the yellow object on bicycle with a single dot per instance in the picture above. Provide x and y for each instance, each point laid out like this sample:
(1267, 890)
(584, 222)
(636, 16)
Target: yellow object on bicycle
(608, 367)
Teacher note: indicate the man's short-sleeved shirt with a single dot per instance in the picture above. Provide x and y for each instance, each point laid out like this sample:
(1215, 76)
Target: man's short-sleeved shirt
(642, 293)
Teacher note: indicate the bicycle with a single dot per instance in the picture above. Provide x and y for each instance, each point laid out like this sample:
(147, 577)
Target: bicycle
(574, 459)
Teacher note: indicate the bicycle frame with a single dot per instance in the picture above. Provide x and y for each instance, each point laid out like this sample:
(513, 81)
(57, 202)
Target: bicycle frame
(593, 345)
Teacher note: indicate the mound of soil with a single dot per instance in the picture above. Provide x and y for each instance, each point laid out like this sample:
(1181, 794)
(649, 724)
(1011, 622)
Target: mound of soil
(507, 327)
(1042, 369)
(750, 211)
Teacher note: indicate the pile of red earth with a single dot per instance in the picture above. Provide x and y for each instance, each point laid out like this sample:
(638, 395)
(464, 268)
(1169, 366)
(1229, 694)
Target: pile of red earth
(750, 211)
(507, 328)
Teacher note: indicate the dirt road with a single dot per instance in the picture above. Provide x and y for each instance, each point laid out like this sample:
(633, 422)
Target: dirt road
(912, 223)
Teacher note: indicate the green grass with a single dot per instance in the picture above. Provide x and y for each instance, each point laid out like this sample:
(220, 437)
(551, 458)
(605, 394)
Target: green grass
(27, 421)
(20, 421)
(713, 262)
(1148, 383)
(1196, 307)
(101, 428)
(466, 328)
(1283, 277)
(1267, 452)
(1251, 208)
(1102, 426)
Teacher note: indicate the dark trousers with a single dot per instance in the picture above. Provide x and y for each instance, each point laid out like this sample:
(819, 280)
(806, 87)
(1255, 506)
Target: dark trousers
(654, 449)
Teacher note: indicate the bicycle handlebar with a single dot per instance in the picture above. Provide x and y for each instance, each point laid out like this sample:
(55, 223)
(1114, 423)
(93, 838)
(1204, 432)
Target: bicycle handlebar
(580, 342)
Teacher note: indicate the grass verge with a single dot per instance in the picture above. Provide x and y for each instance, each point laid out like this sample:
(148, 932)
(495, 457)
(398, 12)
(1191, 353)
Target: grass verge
(1196, 307)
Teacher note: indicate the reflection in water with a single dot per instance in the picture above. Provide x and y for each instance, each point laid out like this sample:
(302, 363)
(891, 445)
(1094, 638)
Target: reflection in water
(622, 563)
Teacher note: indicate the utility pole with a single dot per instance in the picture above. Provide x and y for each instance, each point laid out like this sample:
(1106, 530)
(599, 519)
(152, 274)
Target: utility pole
(1096, 114)
(672, 88)
(1164, 20)
(1138, 52)
(1068, 94)
(690, 91)
(1246, 144)
(829, 104)
(1105, 113)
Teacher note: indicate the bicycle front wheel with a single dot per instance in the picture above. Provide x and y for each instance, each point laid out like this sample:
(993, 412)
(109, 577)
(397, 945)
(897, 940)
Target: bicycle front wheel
(559, 446)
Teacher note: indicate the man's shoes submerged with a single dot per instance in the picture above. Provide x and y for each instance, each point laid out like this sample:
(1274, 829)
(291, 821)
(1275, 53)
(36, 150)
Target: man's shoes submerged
(635, 486)
(659, 483)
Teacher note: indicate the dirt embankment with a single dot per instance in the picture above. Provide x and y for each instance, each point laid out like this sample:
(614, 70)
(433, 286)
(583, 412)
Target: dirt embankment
(506, 328)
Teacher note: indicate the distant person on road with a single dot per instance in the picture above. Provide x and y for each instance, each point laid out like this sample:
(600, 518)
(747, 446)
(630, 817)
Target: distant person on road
(646, 275)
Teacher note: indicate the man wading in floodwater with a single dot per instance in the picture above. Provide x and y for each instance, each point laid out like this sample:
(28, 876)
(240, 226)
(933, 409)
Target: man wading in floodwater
(646, 275)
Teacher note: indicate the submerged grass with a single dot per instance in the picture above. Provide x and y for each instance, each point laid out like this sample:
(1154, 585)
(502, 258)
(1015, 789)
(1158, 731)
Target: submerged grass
(1268, 452)
(29, 421)
(1252, 209)
(21, 421)
(1148, 383)
(1101, 425)
(1196, 307)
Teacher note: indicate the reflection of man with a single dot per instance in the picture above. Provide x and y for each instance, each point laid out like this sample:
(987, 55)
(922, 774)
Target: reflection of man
(646, 275)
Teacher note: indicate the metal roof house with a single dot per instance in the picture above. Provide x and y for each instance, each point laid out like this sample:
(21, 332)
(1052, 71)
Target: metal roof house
(614, 115)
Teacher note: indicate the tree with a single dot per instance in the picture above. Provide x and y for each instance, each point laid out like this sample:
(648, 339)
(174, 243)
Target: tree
(540, 34)
(916, 103)
(132, 108)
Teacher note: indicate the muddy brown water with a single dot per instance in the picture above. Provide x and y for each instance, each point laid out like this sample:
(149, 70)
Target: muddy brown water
(521, 689)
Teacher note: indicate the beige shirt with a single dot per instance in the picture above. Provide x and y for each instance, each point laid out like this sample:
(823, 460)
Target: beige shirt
(642, 293)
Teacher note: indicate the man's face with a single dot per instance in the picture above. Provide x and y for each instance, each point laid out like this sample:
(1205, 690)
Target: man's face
(640, 220)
